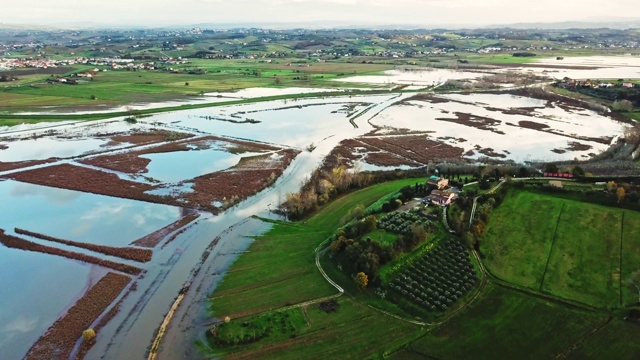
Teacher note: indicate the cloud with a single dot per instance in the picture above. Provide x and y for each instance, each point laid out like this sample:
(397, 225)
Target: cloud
(410, 12)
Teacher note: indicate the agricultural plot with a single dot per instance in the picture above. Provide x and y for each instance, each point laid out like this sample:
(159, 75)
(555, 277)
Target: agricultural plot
(519, 236)
(436, 280)
(585, 265)
(353, 330)
(616, 340)
(564, 247)
(630, 261)
(401, 222)
(506, 325)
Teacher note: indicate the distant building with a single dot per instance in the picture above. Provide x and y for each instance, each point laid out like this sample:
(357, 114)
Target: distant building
(438, 182)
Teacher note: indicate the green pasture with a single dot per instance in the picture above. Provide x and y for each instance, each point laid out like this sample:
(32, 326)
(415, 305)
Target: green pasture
(287, 251)
(353, 331)
(505, 324)
(564, 247)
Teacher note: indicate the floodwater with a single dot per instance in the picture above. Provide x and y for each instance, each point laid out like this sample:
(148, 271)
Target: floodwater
(36, 290)
(45, 148)
(505, 136)
(176, 166)
(421, 77)
(607, 67)
(73, 215)
(206, 98)
(291, 123)
(321, 122)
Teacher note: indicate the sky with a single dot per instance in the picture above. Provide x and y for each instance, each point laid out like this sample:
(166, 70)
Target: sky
(424, 13)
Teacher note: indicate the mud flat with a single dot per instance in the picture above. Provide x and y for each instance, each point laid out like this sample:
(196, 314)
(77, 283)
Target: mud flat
(59, 340)
(140, 255)
(18, 243)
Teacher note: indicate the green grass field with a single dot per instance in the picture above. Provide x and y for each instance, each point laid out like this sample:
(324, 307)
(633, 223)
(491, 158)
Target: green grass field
(518, 237)
(125, 87)
(564, 247)
(616, 340)
(287, 251)
(505, 324)
(353, 331)
(584, 262)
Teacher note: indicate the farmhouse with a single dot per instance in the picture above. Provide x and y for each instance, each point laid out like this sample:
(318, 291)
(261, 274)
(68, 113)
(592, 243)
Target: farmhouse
(443, 198)
(438, 182)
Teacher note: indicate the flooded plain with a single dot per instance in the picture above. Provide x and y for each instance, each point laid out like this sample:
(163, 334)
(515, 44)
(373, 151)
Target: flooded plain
(250, 145)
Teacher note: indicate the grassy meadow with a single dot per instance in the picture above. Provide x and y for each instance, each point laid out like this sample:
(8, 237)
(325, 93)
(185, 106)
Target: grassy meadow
(563, 247)
(505, 324)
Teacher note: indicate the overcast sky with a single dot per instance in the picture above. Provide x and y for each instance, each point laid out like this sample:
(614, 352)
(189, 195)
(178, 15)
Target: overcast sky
(425, 13)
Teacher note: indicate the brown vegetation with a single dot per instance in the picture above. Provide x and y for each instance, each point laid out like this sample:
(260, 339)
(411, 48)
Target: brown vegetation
(153, 239)
(18, 243)
(148, 137)
(478, 122)
(532, 125)
(83, 179)
(5, 166)
(418, 148)
(141, 255)
(60, 338)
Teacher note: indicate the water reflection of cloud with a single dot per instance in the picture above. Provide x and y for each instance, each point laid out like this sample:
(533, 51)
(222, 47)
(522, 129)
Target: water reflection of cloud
(105, 211)
(16, 327)
(21, 324)
(53, 195)
(81, 229)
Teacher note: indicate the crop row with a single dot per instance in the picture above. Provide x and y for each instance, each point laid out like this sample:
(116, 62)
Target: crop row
(438, 279)
(400, 222)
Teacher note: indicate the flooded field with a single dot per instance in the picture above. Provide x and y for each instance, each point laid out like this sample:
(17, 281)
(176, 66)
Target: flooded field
(177, 191)
(79, 216)
(415, 77)
(591, 67)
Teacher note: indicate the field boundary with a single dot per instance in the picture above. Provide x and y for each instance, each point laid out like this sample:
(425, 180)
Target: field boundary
(553, 241)
(620, 258)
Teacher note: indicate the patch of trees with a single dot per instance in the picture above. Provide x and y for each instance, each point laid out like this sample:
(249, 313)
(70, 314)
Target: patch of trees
(523, 54)
(436, 280)
(358, 253)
